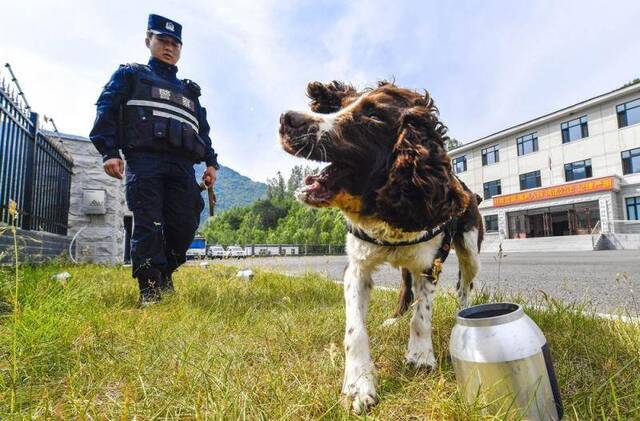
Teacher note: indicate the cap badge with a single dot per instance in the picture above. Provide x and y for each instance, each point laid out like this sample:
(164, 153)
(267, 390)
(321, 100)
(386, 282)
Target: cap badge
(169, 26)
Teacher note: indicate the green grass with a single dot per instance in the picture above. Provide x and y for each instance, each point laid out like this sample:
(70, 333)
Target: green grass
(271, 348)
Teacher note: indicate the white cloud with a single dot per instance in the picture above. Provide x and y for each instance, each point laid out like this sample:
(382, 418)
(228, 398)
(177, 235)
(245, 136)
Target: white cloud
(487, 67)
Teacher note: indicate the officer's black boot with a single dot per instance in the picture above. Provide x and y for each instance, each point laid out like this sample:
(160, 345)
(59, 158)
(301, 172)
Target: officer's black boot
(149, 281)
(167, 283)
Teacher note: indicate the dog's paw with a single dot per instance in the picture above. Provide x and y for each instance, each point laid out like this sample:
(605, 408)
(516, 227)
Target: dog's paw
(389, 322)
(360, 396)
(422, 360)
(360, 403)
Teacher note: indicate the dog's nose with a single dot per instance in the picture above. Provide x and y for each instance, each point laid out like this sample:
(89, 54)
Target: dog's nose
(293, 120)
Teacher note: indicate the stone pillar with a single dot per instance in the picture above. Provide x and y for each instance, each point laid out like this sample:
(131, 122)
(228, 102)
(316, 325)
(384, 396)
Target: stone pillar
(604, 203)
(503, 227)
(102, 239)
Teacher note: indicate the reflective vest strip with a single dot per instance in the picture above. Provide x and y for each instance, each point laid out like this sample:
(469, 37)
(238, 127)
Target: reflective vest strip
(155, 104)
(183, 120)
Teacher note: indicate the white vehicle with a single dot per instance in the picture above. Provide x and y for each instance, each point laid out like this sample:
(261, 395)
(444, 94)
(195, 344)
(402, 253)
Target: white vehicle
(216, 252)
(197, 249)
(235, 252)
(290, 250)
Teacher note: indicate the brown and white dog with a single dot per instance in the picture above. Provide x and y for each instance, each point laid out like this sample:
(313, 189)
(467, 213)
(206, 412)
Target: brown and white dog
(391, 177)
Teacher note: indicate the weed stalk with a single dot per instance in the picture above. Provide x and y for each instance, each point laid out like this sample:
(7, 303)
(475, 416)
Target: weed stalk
(13, 214)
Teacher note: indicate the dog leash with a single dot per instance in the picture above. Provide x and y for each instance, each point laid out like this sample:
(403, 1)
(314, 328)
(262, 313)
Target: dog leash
(211, 196)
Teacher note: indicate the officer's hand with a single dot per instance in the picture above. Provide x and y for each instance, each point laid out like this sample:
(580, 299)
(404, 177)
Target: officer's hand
(209, 176)
(114, 167)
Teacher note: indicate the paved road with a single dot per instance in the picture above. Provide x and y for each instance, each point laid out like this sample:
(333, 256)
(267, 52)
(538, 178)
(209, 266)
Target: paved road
(570, 276)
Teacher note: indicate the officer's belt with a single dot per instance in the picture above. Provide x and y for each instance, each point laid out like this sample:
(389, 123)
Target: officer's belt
(191, 119)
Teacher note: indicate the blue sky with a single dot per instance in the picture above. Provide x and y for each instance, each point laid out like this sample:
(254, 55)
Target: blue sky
(488, 64)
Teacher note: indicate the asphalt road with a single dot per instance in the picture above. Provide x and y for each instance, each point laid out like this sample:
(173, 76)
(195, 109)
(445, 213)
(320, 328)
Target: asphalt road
(569, 276)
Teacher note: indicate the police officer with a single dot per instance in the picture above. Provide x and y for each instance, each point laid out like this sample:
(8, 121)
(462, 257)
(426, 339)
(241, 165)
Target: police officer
(157, 122)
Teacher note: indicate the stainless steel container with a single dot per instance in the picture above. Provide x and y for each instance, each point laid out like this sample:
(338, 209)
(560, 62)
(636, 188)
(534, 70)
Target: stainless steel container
(502, 362)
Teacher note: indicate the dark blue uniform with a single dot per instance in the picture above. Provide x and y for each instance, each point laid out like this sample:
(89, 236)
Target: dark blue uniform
(157, 122)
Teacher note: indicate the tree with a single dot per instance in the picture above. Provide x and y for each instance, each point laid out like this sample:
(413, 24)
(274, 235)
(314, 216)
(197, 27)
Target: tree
(297, 176)
(296, 179)
(452, 143)
(276, 188)
(279, 219)
(269, 213)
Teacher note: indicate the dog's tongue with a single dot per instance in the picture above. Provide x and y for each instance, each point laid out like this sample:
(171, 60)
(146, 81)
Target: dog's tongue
(310, 179)
(315, 186)
(312, 186)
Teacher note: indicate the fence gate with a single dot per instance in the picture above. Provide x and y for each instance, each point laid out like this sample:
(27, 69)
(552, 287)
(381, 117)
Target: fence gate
(34, 171)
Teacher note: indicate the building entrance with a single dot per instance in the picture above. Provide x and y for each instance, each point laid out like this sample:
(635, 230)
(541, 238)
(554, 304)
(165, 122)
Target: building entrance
(551, 221)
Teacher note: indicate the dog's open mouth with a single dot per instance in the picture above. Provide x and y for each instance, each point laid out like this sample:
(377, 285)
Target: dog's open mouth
(321, 188)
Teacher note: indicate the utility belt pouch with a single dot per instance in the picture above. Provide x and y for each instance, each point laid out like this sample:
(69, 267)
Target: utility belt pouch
(193, 143)
(160, 129)
(175, 133)
(200, 148)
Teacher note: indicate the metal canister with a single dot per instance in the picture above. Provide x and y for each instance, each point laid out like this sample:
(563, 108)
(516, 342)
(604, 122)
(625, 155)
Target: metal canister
(502, 362)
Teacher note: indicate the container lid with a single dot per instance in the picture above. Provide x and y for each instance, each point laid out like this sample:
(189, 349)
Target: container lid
(490, 314)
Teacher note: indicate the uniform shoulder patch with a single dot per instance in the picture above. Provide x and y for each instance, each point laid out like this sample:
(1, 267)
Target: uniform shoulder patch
(193, 87)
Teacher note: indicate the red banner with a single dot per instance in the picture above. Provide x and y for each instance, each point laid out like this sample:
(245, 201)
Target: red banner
(571, 189)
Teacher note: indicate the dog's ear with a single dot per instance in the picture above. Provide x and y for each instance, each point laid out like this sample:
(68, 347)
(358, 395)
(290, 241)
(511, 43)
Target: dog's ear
(327, 97)
(420, 190)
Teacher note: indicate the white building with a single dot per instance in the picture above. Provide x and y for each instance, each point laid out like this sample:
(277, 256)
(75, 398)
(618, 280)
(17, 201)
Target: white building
(574, 172)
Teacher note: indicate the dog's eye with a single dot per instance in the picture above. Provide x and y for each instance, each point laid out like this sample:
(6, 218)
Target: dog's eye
(373, 115)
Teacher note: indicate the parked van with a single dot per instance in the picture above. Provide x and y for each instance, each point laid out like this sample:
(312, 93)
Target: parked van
(197, 249)
(236, 252)
(216, 252)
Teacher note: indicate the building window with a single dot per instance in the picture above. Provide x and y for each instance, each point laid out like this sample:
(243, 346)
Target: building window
(460, 164)
(490, 155)
(527, 144)
(631, 161)
(633, 207)
(577, 170)
(492, 188)
(530, 180)
(491, 223)
(574, 129)
(628, 113)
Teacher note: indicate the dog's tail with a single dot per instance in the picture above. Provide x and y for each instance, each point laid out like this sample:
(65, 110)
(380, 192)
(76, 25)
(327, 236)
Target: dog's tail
(406, 294)
(404, 301)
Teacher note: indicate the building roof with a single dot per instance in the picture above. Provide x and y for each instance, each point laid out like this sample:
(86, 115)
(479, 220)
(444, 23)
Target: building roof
(545, 118)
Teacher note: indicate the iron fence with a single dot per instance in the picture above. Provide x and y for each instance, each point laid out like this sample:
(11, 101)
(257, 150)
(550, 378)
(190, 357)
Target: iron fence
(34, 171)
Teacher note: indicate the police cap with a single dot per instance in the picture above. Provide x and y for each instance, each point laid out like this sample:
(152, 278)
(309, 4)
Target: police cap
(160, 25)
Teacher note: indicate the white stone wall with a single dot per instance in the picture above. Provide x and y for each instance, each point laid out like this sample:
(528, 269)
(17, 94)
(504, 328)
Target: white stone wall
(102, 239)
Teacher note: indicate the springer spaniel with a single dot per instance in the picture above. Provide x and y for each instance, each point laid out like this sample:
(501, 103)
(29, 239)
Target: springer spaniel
(391, 177)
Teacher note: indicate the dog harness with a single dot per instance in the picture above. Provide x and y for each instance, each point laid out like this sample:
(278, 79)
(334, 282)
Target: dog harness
(448, 228)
